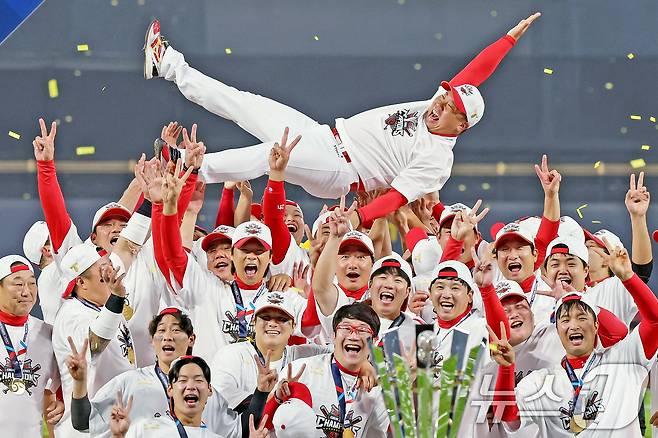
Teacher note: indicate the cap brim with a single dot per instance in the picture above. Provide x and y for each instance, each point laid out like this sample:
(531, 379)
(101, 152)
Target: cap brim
(112, 213)
(590, 236)
(512, 234)
(211, 238)
(459, 103)
(356, 242)
(273, 306)
(240, 243)
(501, 297)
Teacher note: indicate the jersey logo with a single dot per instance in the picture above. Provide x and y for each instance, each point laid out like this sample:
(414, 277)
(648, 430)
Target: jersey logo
(329, 422)
(592, 408)
(126, 343)
(231, 327)
(402, 122)
(29, 380)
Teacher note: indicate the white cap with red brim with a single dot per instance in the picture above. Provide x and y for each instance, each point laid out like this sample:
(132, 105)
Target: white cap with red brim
(359, 239)
(76, 261)
(456, 270)
(451, 210)
(598, 237)
(20, 264)
(295, 418)
(425, 251)
(247, 231)
(282, 301)
(109, 211)
(514, 230)
(568, 245)
(509, 288)
(570, 228)
(468, 100)
(221, 232)
(35, 238)
(394, 260)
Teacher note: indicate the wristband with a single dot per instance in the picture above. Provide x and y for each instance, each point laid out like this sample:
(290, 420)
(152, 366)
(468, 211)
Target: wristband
(137, 228)
(195, 170)
(145, 208)
(107, 323)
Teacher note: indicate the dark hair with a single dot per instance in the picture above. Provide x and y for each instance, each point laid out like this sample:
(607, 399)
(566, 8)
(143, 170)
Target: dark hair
(566, 306)
(184, 322)
(392, 270)
(459, 280)
(560, 245)
(179, 363)
(358, 311)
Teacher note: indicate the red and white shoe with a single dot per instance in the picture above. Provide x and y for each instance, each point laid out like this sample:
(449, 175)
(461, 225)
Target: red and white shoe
(154, 49)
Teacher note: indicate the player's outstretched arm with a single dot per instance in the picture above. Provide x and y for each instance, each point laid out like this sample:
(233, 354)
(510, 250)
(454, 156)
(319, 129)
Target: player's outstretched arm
(550, 221)
(485, 63)
(637, 203)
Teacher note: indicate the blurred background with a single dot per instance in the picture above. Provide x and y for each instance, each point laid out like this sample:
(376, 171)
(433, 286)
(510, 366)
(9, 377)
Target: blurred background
(568, 89)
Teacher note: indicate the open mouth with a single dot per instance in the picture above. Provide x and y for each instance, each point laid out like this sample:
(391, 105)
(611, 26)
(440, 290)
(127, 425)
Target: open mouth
(386, 297)
(191, 400)
(514, 267)
(221, 265)
(576, 339)
(250, 269)
(352, 349)
(272, 332)
(516, 324)
(434, 115)
(565, 279)
(447, 306)
(114, 240)
(291, 227)
(353, 275)
(168, 348)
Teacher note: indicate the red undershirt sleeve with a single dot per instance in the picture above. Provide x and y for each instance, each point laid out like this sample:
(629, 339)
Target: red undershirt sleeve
(611, 328)
(156, 230)
(504, 397)
(647, 306)
(274, 210)
(381, 206)
(485, 63)
(453, 250)
(437, 210)
(226, 208)
(546, 233)
(172, 246)
(493, 310)
(186, 196)
(52, 203)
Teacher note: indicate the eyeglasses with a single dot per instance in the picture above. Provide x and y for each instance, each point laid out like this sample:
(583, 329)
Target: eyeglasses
(360, 330)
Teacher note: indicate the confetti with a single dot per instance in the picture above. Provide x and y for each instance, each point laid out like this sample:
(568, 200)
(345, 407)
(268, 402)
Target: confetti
(548, 71)
(85, 150)
(652, 119)
(630, 55)
(15, 135)
(580, 215)
(609, 85)
(83, 47)
(493, 347)
(597, 164)
(53, 91)
(305, 245)
(646, 147)
(228, 50)
(596, 222)
(637, 163)
(486, 186)
(635, 117)
(316, 37)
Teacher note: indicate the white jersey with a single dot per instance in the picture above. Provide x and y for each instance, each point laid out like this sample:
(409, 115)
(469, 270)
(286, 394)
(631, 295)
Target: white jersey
(611, 394)
(294, 255)
(235, 372)
(392, 147)
(21, 402)
(165, 427)
(150, 402)
(613, 296)
(472, 324)
(366, 413)
(74, 319)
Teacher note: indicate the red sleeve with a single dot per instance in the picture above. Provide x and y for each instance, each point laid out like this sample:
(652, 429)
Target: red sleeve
(172, 247)
(52, 202)
(493, 310)
(453, 250)
(274, 210)
(310, 316)
(186, 196)
(647, 306)
(546, 233)
(504, 397)
(437, 210)
(484, 64)
(381, 206)
(414, 236)
(270, 408)
(611, 328)
(139, 203)
(226, 208)
(156, 230)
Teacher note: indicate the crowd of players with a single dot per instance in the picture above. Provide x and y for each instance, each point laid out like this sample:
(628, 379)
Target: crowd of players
(153, 326)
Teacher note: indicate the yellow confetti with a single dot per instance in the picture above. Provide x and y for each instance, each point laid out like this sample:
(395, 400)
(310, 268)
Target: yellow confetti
(635, 117)
(580, 215)
(15, 135)
(228, 50)
(85, 150)
(597, 164)
(637, 163)
(316, 37)
(53, 90)
(596, 222)
(609, 85)
(305, 245)
(646, 147)
(548, 71)
(83, 47)
(630, 55)
(652, 119)
(493, 347)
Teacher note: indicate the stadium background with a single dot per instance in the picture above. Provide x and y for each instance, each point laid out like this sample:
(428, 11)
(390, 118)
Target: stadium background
(337, 58)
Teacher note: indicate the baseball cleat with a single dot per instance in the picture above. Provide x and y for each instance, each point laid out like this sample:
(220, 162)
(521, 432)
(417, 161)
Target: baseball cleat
(154, 49)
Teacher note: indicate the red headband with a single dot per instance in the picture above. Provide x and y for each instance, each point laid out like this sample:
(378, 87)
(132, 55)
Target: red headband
(19, 267)
(169, 311)
(392, 263)
(447, 273)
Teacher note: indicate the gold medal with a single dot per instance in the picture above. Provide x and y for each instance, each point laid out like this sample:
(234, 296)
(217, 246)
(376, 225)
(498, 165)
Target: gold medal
(347, 433)
(128, 311)
(17, 386)
(577, 423)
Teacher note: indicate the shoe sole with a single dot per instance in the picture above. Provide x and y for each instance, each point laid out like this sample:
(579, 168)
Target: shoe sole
(148, 61)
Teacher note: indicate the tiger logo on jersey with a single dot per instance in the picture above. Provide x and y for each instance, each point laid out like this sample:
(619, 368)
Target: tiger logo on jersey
(402, 122)
(329, 422)
(29, 378)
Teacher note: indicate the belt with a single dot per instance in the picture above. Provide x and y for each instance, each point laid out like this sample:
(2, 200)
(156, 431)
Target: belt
(341, 147)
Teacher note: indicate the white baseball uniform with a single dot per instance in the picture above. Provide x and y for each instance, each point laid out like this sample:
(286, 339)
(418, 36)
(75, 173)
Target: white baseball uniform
(165, 427)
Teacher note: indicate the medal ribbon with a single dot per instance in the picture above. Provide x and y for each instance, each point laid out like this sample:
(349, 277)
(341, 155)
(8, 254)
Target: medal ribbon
(577, 383)
(241, 312)
(14, 356)
(89, 304)
(284, 362)
(343, 399)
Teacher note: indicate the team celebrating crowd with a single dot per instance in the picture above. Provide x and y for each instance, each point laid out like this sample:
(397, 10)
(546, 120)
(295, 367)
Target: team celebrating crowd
(263, 327)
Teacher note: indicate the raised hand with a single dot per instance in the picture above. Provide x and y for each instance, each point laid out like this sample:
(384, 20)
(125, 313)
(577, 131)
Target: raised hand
(418, 301)
(558, 289)
(618, 261)
(280, 154)
(316, 245)
(170, 133)
(483, 273)
(279, 282)
(113, 281)
(77, 361)
(637, 197)
(517, 31)
(300, 278)
(549, 179)
(501, 350)
(44, 144)
(173, 182)
(339, 222)
(244, 187)
(367, 377)
(196, 202)
(283, 390)
(153, 178)
(267, 378)
(465, 223)
(120, 416)
(261, 432)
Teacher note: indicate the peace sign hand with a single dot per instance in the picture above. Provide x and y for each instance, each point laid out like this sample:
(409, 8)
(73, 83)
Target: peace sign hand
(501, 350)
(173, 182)
(170, 133)
(261, 432)
(280, 154)
(44, 144)
(283, 390)
(618, 261)
(464, 222)
(517, 31)
(339, 223)
(549, 179)
(119, 417)
(637, 197)
(483, 273)
(266, 377)
(77, 361)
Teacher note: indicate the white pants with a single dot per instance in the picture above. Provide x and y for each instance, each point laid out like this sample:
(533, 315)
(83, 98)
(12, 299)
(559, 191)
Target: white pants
(315, 163)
